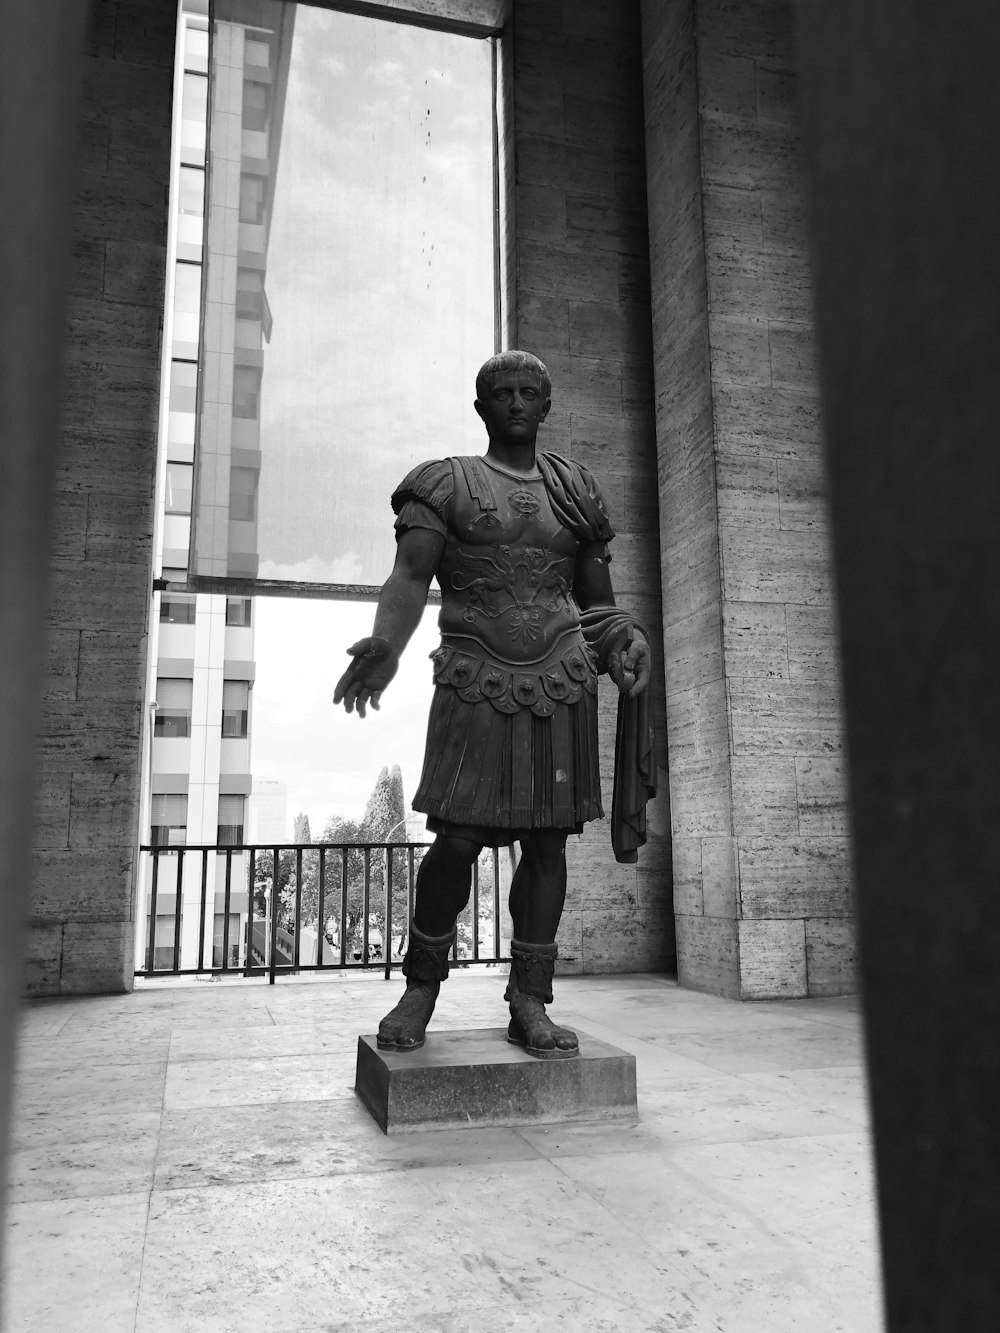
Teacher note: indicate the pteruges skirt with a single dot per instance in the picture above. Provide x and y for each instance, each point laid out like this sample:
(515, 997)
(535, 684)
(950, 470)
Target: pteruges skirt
(506, 774)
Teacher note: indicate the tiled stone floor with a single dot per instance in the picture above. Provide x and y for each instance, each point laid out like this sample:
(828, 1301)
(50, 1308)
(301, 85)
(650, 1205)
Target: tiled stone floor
(194, 1158)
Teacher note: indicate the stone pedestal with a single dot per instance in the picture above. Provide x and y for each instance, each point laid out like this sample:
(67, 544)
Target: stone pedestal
(460, 1079)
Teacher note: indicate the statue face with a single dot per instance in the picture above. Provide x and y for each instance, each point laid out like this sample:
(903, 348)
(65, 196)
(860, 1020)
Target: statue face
(514, 407)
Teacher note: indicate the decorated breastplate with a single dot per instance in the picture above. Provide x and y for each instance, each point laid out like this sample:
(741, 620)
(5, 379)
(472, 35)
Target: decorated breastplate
(509, 625)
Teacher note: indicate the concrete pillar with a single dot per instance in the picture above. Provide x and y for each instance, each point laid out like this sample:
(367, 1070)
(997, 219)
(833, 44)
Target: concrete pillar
(582, 305)
(761, 867)
(80, 931)
(39, 86)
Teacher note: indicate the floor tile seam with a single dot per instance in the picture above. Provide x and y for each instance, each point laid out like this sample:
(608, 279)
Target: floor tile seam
(50, 1032)
(119, 1191)
(615, 1220)
(317, 1059)
(481, 1168)
(221, 1108)
(49, 1072)
(748, 1078)
(709, 1032)
(723, 1197)
(348, 1095)
(261, 1057)
(778, 1025)
(653, 1122)
(389, 1168)
(142, 1259)
(749, 1141)
(83, 1119)
(854, 1024)
(149, 1200)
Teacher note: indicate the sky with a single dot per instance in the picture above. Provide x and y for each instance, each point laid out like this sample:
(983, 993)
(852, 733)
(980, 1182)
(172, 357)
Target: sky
(380, 283)
(328, 759)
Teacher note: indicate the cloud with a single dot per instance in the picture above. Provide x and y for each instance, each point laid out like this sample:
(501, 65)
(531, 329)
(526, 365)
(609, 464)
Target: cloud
(387, 71)
(345, 568)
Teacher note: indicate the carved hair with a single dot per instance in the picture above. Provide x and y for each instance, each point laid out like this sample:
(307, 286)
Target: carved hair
(507, 363)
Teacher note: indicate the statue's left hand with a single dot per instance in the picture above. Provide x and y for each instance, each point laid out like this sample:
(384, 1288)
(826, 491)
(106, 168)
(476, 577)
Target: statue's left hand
(375, 663)
(631, 668)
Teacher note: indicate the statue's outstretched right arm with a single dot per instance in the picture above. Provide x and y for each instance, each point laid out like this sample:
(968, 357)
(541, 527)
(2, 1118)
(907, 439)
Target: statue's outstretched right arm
(400, 606)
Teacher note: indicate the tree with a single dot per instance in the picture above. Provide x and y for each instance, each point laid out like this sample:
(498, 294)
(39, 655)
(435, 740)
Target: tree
(383, 822)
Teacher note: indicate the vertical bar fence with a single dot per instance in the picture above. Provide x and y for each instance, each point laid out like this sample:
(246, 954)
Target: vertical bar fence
(278, 910)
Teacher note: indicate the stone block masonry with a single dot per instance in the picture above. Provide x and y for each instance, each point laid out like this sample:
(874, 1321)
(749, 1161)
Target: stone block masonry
(753, 701)
(582, 305)
(81, 916)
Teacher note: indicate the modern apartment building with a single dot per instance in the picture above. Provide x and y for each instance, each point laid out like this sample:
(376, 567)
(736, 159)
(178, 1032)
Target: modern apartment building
(201, 644)
(267, 812)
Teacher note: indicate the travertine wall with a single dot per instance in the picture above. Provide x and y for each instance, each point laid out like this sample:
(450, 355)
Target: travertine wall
(582, 289)
(80, 928)
(754, 718)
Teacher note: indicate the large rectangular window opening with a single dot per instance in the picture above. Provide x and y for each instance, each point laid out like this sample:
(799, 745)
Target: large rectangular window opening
(168, 819)
(173, 708)
(351, 224)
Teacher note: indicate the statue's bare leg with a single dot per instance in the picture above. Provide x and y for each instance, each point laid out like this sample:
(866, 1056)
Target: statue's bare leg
(537, 895)
(444, 882)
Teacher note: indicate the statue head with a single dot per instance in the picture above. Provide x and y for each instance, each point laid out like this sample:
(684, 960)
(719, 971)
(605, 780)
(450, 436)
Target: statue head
(505, 363)
(512, 398)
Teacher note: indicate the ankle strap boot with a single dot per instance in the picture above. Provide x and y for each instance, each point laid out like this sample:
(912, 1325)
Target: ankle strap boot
(425, 966)
(427, 957)
(529, 990)
(531, 970)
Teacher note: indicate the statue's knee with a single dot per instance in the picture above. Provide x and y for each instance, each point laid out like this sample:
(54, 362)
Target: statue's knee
(458, 851)
(547, 852)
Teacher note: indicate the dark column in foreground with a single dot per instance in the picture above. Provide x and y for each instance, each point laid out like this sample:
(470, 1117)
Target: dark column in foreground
(902, 107)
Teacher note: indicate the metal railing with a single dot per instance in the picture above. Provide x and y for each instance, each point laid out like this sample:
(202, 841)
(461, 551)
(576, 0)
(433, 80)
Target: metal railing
(337, 906)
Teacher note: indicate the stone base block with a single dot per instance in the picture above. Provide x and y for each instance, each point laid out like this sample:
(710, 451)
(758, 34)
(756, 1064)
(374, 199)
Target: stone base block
(460, 1079)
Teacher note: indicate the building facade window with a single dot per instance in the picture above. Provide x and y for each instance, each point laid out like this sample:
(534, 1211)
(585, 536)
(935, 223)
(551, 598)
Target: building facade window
(173, 708)
(191, 191)
(238, 611)
(178, 608)
(183, 386)
(179, 482)
(246, 392)
(257, 52)
(255, 105)
(231, 819)
(168, 819)
(235, 709)
(243, 494)
(252, 199)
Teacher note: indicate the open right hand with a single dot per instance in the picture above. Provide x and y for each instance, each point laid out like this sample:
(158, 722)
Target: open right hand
(375, 663)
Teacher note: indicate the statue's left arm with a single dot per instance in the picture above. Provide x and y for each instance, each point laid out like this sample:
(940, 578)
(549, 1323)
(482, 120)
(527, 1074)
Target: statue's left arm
(628, 659)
